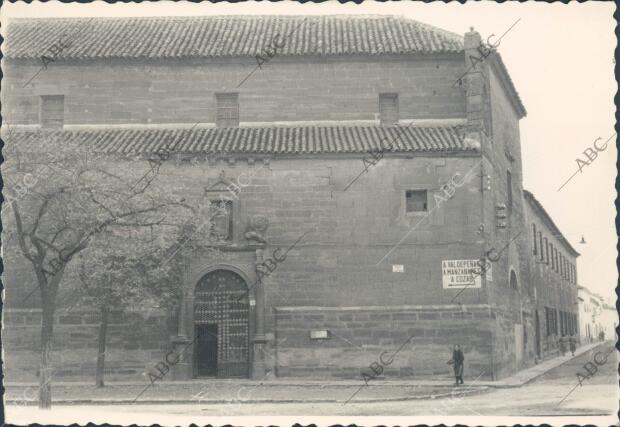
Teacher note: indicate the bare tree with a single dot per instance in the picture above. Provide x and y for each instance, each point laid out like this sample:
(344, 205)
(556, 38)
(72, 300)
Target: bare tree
(64, 194)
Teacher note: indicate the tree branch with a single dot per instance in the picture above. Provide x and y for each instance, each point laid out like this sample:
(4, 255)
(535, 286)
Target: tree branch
(21, 234)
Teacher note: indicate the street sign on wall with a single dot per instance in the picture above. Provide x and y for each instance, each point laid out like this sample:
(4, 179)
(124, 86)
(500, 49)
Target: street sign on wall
(461, 273)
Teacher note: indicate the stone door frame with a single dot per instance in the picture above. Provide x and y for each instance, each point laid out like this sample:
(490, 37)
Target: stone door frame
(184, 369)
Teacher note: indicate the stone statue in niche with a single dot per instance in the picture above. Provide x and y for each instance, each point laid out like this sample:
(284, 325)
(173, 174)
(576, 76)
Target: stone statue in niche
(256, 228)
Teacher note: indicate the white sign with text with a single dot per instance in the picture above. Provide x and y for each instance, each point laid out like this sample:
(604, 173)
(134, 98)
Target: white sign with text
(461, 273)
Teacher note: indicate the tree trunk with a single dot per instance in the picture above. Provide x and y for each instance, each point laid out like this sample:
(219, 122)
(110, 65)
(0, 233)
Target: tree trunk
(49, 290)
(103, 329)
(47, 330)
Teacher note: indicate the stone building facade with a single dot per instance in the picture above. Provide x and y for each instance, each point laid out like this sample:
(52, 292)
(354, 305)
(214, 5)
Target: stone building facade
(553, 272)
(378, 262)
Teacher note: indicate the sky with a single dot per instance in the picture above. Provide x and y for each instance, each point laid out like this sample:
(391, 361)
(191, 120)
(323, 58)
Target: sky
(561, 59)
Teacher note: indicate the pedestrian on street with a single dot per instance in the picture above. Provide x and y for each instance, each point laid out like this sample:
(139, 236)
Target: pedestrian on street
(572, 342)
(457, 360)
(601, 336)
(563, 342)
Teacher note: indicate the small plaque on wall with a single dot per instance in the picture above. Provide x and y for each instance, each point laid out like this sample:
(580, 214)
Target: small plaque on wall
(398, 268)
(252, 302)
(320, 334)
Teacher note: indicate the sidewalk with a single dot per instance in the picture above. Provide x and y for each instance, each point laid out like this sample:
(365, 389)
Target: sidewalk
(525, 376)
(279, 390)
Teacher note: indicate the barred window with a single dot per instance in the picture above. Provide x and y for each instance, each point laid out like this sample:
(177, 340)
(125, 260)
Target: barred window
(548, 320)
(227, 110)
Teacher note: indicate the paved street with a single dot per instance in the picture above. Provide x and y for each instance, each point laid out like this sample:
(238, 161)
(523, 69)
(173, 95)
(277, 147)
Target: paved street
(596, 399)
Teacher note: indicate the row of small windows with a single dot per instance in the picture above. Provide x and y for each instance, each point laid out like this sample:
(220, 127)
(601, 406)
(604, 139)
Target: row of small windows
(227, 110)
(549, 255)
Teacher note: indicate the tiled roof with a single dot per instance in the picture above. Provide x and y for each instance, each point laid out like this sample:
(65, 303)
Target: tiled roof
(222, 36)
(542, 213)
(267, 140)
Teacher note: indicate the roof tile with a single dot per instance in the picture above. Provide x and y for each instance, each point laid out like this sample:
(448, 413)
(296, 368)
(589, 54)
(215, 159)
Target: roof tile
(225, 36)
(268, 140)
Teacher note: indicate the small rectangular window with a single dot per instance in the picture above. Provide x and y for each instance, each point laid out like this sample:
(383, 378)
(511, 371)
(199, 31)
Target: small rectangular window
(227, 110)
(388, 108)
(509, 189)
(52, 113)
(540, 240)
(546, 251)
(552, 259)
(564, 265)
(534, 234)
(416, 201)
(555, 255)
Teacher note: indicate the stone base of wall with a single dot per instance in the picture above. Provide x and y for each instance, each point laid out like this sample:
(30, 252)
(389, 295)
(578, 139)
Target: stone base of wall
(419, 339)
(135, 343)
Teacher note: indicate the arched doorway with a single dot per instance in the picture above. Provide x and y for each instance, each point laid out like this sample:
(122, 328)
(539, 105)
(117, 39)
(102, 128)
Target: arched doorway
(221, 326)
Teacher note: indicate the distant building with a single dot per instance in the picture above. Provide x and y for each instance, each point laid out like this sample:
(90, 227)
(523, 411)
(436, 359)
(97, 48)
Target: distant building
(389, 259)
(590, 315)
(609, 321)
(553, 276)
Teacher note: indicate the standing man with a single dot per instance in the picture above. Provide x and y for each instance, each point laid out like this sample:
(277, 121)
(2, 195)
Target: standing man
(457, 360)
(563, 342)
(572, 342)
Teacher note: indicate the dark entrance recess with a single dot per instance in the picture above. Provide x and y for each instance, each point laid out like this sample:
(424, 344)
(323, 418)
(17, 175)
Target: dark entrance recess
(221, 325)
(206, 350)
